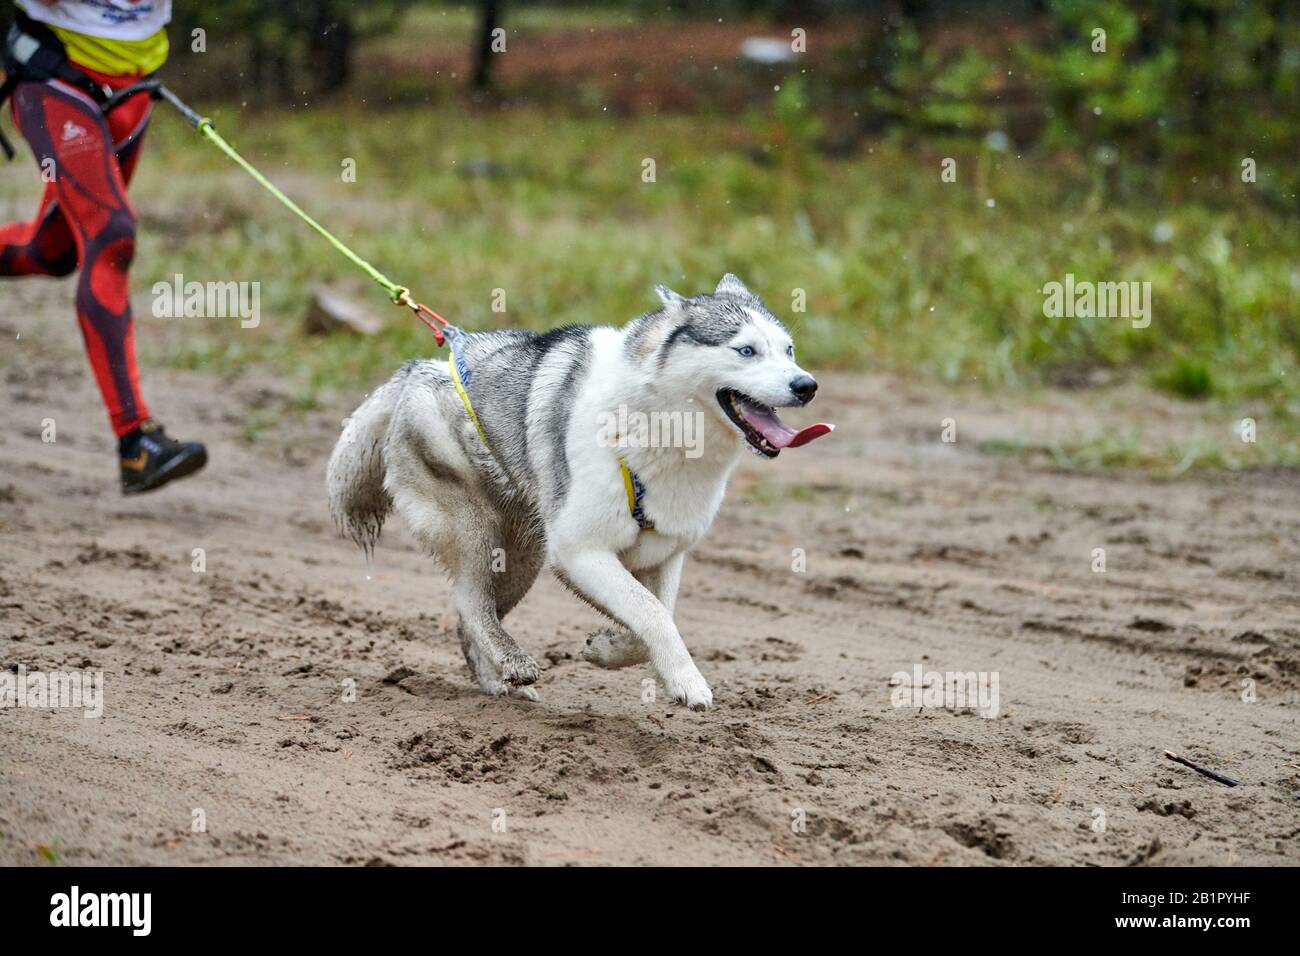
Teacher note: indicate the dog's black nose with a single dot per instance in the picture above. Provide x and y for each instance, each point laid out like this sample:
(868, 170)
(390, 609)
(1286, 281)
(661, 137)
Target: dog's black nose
(804, 388)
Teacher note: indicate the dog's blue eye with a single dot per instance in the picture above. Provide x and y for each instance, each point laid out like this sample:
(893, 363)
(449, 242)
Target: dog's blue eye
(747, 351)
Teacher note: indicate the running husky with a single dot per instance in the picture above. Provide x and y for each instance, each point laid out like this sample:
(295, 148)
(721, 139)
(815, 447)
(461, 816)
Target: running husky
(532, 449)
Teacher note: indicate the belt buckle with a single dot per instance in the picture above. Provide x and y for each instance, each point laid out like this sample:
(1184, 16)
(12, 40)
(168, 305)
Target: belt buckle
(22, 47)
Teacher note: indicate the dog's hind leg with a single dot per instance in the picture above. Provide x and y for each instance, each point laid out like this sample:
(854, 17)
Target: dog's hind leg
(514, 574)
(477, 547)
(468, 546)
(524, 556)
(482, 670)
(449, 515)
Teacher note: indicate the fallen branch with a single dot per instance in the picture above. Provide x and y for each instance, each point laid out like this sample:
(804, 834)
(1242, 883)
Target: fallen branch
(1213, 775)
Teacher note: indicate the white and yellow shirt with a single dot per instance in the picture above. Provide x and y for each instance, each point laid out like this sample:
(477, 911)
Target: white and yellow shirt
(116, 37)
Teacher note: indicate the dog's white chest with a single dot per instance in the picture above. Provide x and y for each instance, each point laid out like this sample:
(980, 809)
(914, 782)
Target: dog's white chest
(682, 512)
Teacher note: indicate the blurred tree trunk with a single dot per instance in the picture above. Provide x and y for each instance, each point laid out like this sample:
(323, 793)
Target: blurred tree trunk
(796, 12)
(257, 64)
(879, 58)
(329, 48)
(281, 73)
(489, 18)
(1203, 24)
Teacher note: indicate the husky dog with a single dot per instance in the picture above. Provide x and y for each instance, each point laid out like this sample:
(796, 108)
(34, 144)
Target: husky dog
(513, 456)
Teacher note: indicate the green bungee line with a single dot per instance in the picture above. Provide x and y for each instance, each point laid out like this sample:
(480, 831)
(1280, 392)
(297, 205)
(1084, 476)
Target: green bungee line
(205, 128)
(399, 294)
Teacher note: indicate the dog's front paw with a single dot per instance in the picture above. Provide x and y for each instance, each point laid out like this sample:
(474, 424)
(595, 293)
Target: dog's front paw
(613, 649)
(688, 686)
(519, 669)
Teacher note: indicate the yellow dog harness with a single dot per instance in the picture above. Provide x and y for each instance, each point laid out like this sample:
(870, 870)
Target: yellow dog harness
(459, 373)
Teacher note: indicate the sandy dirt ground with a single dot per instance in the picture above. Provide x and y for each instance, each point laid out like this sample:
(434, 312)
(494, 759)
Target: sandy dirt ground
(225, 690)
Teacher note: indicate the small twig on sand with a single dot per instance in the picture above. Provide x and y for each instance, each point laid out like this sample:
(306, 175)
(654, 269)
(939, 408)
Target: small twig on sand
(782, 851)
(1213, 775)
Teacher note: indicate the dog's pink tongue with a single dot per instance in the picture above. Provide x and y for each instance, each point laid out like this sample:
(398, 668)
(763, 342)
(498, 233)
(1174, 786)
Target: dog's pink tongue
(811, 433)
(779, 433)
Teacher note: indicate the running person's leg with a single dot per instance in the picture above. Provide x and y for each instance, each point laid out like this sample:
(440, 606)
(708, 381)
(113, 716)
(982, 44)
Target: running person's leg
(72, 141)
(70, 137)
(45, 245)
(42, 247)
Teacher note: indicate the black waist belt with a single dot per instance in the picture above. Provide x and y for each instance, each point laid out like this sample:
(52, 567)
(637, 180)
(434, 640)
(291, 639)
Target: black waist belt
(34, 53)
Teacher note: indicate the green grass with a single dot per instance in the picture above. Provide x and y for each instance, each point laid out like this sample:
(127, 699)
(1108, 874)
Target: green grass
(900, 270)
(1132, 450)
(49, 852)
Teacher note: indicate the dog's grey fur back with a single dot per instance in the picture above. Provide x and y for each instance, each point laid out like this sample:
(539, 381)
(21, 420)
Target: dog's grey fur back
(526, 427)
(526, 467)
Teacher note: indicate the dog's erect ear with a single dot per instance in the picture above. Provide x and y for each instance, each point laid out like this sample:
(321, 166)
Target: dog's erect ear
(730, 285)
(667, 295)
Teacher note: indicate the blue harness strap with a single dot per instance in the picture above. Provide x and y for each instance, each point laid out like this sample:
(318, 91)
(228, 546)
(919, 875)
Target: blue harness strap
(635, 489)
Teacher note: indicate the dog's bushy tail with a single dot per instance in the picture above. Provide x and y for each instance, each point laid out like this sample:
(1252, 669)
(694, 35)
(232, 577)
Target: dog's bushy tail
(355, 477)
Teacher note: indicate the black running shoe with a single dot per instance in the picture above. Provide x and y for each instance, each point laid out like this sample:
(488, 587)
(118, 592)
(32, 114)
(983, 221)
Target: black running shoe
(150, 459)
